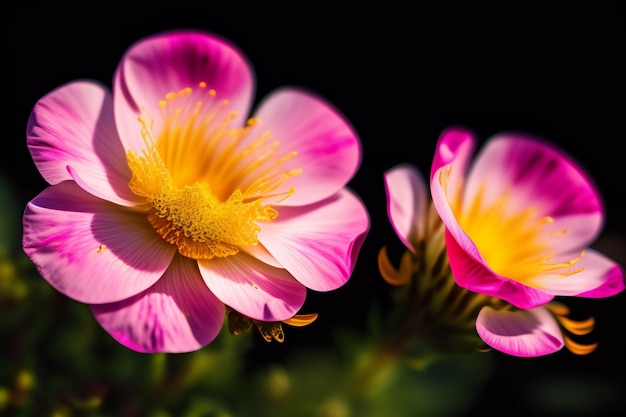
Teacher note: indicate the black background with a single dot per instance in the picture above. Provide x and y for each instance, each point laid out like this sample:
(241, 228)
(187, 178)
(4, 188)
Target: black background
(400, 74)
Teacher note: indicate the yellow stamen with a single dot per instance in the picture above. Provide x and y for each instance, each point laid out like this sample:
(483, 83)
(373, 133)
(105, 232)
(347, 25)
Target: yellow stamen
(207, 183)
(578, 327)
(577, 348)
(558, 308)
(514, 243)
(389, 273)
(300, 320)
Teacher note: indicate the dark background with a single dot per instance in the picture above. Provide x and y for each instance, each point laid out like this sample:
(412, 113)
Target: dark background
(400, 74)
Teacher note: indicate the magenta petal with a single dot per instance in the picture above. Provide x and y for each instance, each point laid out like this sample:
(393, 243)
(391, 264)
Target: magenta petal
(328, 150)
(171, 62)
(598, 277)
(319, 243)
(254, 289)
(454, 145)
(73, 126)
(177, 314)
(407, 198)
(525, 333)
(89, 249)
(475, 276)
(613, 284)
(447, 178)
(540, 174)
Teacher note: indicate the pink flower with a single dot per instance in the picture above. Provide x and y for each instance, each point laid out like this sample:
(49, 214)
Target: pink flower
(519, 219)
(166, 204)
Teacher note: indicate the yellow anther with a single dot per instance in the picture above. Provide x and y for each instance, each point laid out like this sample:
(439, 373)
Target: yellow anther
(578, 327)
(208, 194)
(577, 348)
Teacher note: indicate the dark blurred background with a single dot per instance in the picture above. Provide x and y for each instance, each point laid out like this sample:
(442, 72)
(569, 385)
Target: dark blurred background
(400, 74)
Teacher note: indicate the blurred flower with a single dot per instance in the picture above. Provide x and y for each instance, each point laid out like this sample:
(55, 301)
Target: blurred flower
(166, 205)
(431, 306)
(437, 309)
(518, 224)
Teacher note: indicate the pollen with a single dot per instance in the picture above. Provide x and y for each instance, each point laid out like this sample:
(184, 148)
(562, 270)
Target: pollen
(209, 185)
(515, 243)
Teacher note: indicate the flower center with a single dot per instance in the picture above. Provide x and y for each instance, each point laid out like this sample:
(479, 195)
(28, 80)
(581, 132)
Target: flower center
(514, 243)
(207, 183)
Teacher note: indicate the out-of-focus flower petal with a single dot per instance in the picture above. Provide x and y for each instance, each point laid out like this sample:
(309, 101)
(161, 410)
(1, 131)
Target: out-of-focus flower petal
(318, 244)
(252, 288)
(407, 198)
(572, 233)
(516, 228)
(328, 149)
(171, 62)
(525, 333)
(475, 276)
(598, 277)
(90, 249)
(447, 178)
(177, 314)
(455, 145)
(540, 174)
(73, 126)
(542, 177)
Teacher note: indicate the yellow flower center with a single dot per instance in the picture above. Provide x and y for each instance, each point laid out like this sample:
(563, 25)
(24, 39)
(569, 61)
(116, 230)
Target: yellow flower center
(514, 243)
(206, 182)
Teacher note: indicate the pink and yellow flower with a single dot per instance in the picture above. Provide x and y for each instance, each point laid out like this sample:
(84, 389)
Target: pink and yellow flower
(166, 203)
(436, 304)
(519, 220)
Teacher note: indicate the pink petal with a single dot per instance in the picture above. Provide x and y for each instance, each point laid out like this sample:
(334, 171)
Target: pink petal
(475, 276)
(525, 333)
(259, 252)
(536, 174)
(319, 244)
(600, 277)
(89, 249)
(580, 231)
(177, 314)
(73, 126)
(452, 157)
(171, 62)
(454, 145)
(328, 149)
(406, 203)
(254, 289)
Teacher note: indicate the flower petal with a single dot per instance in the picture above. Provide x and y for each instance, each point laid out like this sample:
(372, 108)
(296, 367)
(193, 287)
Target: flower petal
(319, 243)
(177, 314)
(454, 145)
(328, 149)
(452, 157)
(89, 249)
(170, 62)
(475, 276)
(407, 199)
(262, 254)
(573, 233)
(525, 333)
(538, 174)
(73, 126)
(600, 277)
(252, 288)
